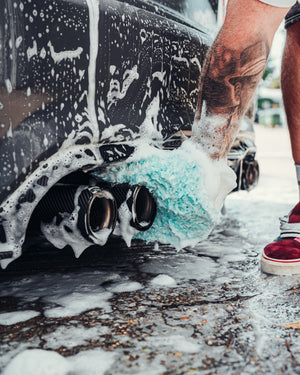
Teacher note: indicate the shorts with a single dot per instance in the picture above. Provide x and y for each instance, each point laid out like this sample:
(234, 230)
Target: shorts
(279, 3)
(293, 15)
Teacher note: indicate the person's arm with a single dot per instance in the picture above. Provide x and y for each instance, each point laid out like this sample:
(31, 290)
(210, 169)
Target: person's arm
(233, 68)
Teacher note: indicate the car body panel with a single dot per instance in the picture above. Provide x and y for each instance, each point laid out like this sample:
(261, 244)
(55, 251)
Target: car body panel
(81, 81)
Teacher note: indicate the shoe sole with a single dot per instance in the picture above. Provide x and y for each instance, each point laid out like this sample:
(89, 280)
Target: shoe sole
(280, 267)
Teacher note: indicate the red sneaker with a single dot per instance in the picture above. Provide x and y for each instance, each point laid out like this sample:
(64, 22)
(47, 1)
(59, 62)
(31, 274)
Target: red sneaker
(282, 256)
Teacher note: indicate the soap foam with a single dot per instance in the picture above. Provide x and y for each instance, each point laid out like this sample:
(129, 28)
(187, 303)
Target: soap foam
(45, 362)
(13, 317)
(163, 281)
(188, 186)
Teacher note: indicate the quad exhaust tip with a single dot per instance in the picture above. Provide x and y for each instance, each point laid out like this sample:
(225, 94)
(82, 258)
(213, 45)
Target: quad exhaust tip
(140, 203)
(98, 213)
(96, 208)
(143, 208)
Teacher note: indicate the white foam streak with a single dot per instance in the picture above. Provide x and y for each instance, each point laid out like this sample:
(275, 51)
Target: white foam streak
(32, 51)
(117, 90)
(148, 129)
(8, 86)
(64, 55)
(110, 132)
(123, 227)
(94, 41)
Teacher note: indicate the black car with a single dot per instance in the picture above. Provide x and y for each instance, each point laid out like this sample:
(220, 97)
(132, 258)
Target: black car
(80, 81)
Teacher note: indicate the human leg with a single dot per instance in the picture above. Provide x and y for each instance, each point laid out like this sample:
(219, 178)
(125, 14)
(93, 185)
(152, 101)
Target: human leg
(282, 256)
(290, 84)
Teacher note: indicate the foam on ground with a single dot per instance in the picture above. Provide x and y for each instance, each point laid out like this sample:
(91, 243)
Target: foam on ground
(130, 286)
(177, 343)
(163, 281)
(15, 317)
(42, 362)
(76, 303)
(73, 336)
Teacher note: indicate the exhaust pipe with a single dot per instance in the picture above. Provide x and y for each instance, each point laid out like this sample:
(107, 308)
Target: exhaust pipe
(250, 174)
(139, 202)
(83, 215)
(93, 209)
(97, 213)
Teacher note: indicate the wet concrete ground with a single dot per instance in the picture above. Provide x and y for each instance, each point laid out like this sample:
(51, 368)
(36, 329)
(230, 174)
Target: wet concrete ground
(152, 310)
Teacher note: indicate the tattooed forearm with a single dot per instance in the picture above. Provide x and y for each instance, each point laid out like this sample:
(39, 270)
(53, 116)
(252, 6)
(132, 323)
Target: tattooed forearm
(227, 84)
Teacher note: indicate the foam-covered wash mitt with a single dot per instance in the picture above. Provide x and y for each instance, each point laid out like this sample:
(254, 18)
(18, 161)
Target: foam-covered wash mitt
(189, 189)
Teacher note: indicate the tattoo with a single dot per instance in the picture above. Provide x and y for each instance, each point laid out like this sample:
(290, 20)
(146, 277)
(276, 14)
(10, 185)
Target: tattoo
(228, 82)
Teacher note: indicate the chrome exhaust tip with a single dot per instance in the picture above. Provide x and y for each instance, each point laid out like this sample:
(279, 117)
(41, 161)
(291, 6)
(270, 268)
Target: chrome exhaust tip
(143, 208)
(97, 214)
(90, 209)
(140, 203)
(250, 174)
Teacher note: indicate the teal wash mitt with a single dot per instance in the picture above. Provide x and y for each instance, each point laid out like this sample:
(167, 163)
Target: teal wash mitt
(189, 189)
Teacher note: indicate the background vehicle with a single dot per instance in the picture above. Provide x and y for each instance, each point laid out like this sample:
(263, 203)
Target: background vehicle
(80, 82)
